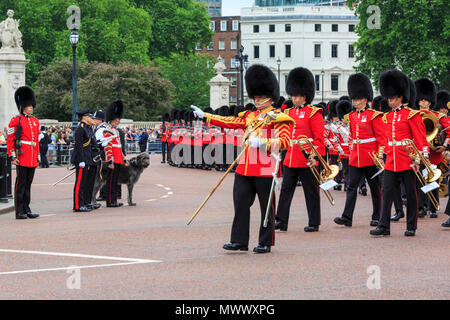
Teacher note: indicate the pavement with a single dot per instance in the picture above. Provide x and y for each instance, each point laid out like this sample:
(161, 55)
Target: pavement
(149, 252)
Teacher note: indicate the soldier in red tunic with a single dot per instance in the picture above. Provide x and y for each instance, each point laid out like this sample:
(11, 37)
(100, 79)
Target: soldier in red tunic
(443, 105)
(309, 124)
(401, 123)
(368, 140)
(164, 136)
(23, 148)
(253, 176)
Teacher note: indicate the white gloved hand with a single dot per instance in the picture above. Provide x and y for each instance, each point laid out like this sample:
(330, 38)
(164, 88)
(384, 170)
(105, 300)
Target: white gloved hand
(254, 142)
(82, 165)
(198, 112)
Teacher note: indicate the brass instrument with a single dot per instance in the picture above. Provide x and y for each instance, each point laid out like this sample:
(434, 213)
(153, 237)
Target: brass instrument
(328, 172)
(434, 130)
(432, 174)
(377, 163)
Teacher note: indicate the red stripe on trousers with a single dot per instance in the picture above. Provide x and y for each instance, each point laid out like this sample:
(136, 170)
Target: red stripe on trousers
(77, 189)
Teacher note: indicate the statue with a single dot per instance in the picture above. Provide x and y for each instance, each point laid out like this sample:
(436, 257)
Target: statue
(10, 35)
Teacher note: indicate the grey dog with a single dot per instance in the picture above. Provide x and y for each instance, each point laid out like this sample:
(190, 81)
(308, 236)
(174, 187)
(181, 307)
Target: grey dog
(128, 175)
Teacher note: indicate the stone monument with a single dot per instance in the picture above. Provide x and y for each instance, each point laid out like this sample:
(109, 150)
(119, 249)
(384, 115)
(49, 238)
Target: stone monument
(220, 87)
(12, 67)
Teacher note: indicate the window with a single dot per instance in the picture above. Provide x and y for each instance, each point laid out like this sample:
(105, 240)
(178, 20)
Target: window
(256, 28)
(272, 51)
(233, 99)
(287, 51)
(334, 50)
(221, 44)
(211, 46)
(256, 52)
(318, 27)
(287, 28)
(334, 82)
(233, 81)
(223, 25)
(212, 26)
(351, 27)
(198, 47)
(233, 44)
(334, 27)
(271, 28)
(351, 51)
(317, 51)
(218, 11)
(317, 78)
(233, 63)
(235, 25)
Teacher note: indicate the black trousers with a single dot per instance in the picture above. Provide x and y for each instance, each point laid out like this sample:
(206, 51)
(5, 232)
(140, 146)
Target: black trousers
(355, 174)
(391, 179)
(81, 195)
(113, 177)
(310, 189)
(424, 200)
(44, 160)
(447, 208)
(164, 149)
(245, 190)
(90, 180)
(345, 171)
(22, 190)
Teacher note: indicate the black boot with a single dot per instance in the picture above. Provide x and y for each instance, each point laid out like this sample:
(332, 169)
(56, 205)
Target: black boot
(261, 249)
(380, 231)
(398, 215)
(446, 224)
(343, 221)
(235, 246)
(279, 225)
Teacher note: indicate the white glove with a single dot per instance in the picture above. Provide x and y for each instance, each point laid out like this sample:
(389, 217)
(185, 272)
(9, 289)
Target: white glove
(198, 112)
(254, 142)
(82, 165)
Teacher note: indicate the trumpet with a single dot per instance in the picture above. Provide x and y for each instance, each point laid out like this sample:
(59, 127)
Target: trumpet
(328, 172)
(432, 174)
(377, 163)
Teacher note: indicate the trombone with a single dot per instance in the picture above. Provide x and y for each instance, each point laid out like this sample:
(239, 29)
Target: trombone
(432, 174)
(328, 172)
(377, 163)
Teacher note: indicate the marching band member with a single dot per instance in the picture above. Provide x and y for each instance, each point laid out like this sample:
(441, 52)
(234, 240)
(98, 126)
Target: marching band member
(401, 123)
(443, 105)
(165, 136)
(269, 130)
(308, 123)
(367, 132)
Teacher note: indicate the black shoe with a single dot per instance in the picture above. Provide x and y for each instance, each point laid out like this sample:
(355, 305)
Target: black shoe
(100, 199)
(421, 213)
(235, 246)
(374, 223)
(94, 206)
(380, 231)
(343, 221)
(279, 225)
(398, 215)
(446, 224)
(32, 215)
(311, 228)
(299, 183)
(410, 233)
(114, 205)
(20, 216)
(338, 187)
(83, 209)
(363, 191)
(261, 249)
(433, 215)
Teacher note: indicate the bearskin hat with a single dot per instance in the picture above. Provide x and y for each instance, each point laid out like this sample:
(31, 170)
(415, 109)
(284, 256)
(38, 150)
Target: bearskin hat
(24, 97)
(115, 110)
(425, 90)
(278, 104)
(394, 83)
(379, 104)
(345, 98)
(238, 110)
(165, 117)
(180, 115)
(250, 107)
(359, 87)
(208, 110)
(412, 95)
(343, 107)
(442, 100)
(174, 114)
(324, 108)
(300, 82)
(223, 111)
(261, 81)
(287, 104)
(332, 112)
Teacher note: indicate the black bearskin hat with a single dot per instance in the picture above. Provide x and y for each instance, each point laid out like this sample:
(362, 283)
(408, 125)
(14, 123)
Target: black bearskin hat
(165, 117)
(278, 104)
(238, 110)
(380, 104)
(24, 97)
(300, 82)
(332, 109)
(261, 81)
(174, 114)
(114, 111)
(425, 90)
(394, 83)
(412, 95)
(208, 110)
(442, 100)
(343, 107)
(250, 107)
(359, 87)
(345, 98)
(324, 108)
(287, 104)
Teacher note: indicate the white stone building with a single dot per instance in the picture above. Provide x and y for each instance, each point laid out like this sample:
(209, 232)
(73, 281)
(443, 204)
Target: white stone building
(319, 38)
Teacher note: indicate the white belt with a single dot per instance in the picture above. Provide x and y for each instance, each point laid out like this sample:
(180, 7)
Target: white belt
(117, 145)
(358, 141)
(30, 143)
(344, 144)
(300, 141)
(397, 143)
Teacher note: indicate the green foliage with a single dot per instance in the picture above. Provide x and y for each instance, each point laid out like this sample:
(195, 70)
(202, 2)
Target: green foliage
(146, 95)
(414, 37)
(190, 75)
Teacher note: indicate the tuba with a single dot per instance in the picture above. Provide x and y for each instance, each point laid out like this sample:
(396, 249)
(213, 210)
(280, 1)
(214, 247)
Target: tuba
(432, 129)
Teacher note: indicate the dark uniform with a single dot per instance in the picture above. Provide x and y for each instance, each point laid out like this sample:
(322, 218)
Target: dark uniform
(43, 147)
(84, 165)
(26, 151)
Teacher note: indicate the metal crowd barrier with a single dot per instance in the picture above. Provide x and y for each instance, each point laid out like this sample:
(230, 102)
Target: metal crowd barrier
(5, 175)
(152, 146)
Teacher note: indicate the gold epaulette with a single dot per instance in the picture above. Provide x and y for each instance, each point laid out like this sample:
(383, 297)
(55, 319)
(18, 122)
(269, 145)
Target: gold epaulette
(384, 118)
(242, 114)
(412, 113)
(346, 117)
(286, 111)
(376, 114)
(440, 115)
(314, 111)
(282, 117)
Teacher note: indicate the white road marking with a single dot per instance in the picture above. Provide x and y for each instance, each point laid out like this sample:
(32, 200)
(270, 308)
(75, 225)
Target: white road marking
(165, 196)
(151, 200)
(167, 188)
(48, 215)
(160, 185)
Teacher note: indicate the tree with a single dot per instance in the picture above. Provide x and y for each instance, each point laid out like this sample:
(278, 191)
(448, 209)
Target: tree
(190, 75)
(413, 37)
(146, 95)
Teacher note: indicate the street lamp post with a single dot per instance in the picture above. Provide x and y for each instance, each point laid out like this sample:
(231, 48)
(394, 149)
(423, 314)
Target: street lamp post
(323, 74)
(241, 61)
(74, 37)
(279, 64)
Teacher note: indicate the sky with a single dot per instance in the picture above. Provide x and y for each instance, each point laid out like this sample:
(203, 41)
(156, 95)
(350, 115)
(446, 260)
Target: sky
(233, 7)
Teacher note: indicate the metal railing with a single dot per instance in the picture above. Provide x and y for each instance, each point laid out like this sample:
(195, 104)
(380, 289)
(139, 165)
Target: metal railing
(5, 175)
